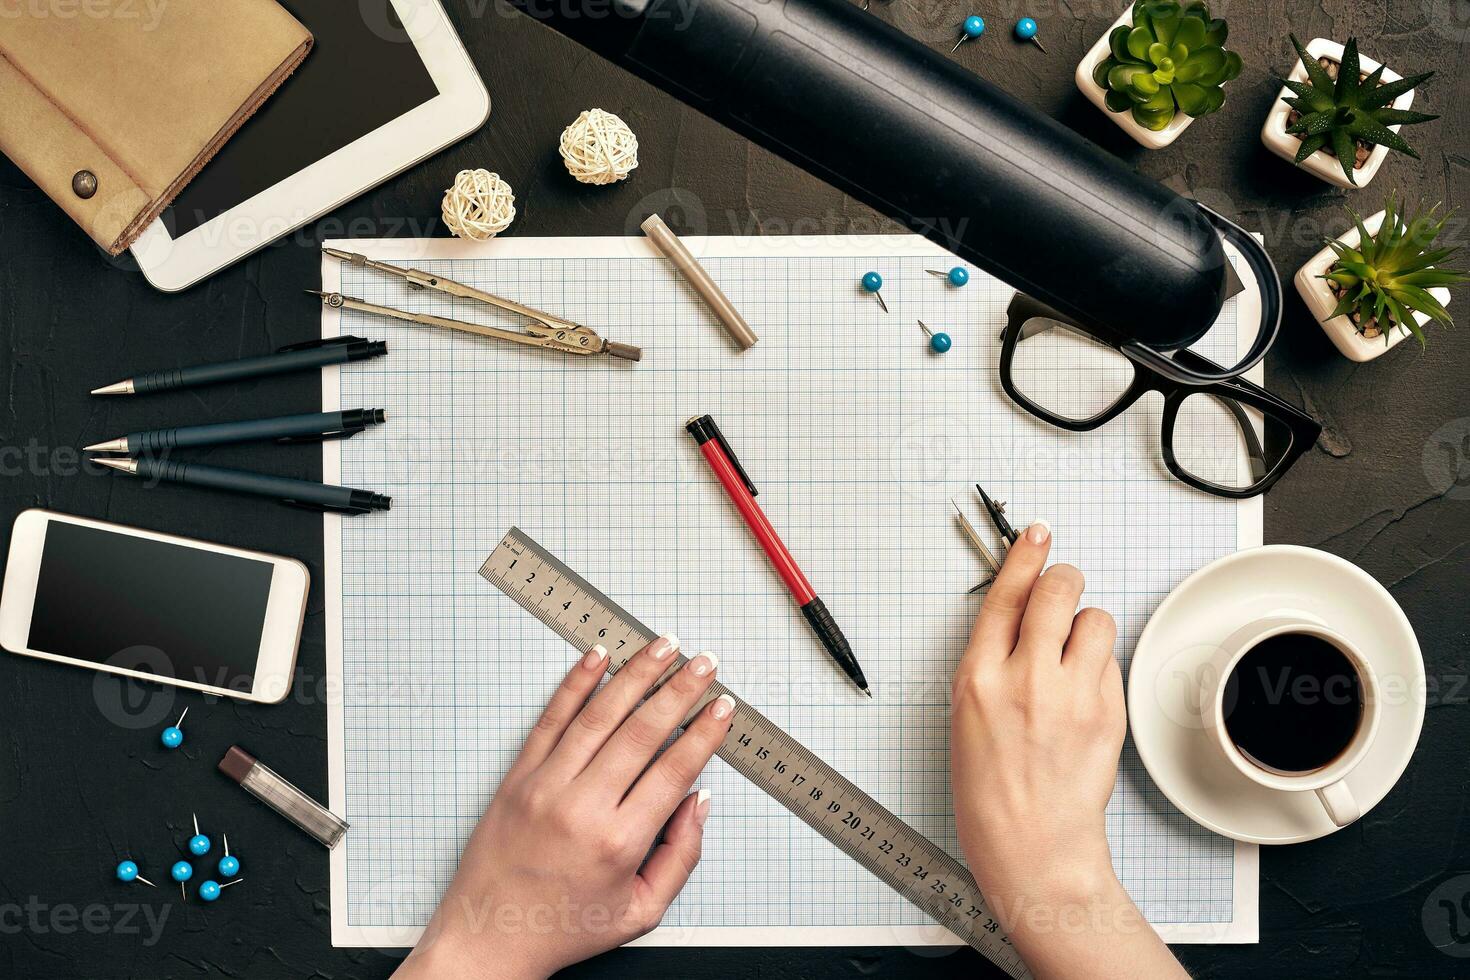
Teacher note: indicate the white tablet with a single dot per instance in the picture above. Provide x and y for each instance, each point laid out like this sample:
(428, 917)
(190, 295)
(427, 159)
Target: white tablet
(387, 84)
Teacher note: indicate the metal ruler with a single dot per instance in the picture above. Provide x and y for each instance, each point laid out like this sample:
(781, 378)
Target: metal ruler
(898, 854)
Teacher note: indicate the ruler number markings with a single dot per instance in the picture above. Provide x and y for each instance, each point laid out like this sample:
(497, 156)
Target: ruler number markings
(760, 750)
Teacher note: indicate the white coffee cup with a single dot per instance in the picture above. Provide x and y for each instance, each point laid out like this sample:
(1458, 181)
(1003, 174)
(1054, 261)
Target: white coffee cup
(1328, 782)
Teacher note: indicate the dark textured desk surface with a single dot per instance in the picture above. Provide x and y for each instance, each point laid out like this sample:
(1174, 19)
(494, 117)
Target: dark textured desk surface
(79, 789)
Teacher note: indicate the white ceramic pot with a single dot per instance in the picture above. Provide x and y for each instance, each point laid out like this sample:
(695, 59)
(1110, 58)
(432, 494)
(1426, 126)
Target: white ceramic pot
(1153, 139)
(1322, 163)
(1322, 301)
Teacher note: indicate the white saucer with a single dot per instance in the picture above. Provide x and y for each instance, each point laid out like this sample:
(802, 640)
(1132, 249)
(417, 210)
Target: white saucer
(1164, 684)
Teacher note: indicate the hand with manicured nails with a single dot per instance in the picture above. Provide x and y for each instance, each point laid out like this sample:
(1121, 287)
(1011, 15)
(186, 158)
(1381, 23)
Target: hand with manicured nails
(1037, 724)
(559, 867)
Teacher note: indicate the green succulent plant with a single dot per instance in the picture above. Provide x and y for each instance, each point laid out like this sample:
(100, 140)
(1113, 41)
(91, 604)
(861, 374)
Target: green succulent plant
(1339, 113)
(1172, 59)
(1386, 279)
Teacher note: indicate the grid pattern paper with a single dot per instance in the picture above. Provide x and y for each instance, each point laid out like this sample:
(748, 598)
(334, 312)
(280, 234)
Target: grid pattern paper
(857, 437)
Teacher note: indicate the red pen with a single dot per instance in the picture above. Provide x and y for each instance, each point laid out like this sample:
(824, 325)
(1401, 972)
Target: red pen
(742, 492)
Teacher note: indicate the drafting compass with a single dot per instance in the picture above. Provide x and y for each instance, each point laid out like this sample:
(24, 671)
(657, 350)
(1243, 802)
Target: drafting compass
(544, 330)
(997, 513)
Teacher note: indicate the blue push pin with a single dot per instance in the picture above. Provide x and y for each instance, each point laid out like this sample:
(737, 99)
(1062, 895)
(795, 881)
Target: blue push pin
(198, 844)
(181, 872)
(873, 282)
(957, 276)
(128, 871)
(938, 342)
(970, 28)
(173, 735)
(228, 866)
(209, 890)
(1026, 31)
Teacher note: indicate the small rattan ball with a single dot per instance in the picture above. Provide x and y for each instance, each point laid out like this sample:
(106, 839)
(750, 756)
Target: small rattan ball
(599, 148)
(479, 206)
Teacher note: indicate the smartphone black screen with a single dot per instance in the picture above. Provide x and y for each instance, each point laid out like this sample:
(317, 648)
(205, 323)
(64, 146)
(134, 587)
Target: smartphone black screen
(153, 606)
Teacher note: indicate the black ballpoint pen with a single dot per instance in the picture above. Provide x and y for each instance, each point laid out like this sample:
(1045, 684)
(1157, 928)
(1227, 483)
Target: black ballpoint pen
(296, 493)
(315, 427)
(296, 357)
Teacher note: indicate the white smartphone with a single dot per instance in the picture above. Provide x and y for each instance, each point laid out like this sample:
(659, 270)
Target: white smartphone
(153, 606)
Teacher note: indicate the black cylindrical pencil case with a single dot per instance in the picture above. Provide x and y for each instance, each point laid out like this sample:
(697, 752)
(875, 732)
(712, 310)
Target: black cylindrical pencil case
(902, 128)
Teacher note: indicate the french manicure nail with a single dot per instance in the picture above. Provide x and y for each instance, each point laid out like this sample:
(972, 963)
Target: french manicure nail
(701, 806)
(595, 658)
(723, 705)
(1038, 532)
(664, 646)
(704, 664)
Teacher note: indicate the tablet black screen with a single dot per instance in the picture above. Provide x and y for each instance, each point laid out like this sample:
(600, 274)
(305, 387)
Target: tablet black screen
(362, 73)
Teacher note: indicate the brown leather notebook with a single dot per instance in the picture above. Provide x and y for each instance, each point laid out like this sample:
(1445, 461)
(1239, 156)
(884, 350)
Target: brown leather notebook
(111, 116)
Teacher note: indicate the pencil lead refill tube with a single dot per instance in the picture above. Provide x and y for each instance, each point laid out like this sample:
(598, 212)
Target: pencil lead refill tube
(719, 304)
(262, 782)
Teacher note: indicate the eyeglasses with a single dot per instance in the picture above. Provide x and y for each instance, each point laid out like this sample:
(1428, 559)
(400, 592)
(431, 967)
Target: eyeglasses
(1200, 371)
(1228, 437)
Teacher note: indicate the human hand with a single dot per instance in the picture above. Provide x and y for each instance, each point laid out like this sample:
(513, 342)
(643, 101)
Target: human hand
(559, 868)
(1037, 725)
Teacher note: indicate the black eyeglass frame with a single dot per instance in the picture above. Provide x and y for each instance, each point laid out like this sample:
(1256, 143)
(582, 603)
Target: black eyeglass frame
(1302, 429)
(1268, 285)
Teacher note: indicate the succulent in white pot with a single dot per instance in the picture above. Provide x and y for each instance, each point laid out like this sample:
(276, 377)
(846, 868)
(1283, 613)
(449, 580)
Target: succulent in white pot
(1381, 281)
(1339, 113)
(1158, 68)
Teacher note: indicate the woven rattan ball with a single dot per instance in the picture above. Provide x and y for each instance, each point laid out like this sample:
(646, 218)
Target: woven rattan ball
(479, 206)
(599, 148)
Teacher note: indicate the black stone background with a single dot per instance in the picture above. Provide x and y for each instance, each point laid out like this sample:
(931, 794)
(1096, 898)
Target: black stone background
(78, 790)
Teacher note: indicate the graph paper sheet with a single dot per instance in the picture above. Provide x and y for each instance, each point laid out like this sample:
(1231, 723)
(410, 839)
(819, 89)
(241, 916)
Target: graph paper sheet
(857, 437)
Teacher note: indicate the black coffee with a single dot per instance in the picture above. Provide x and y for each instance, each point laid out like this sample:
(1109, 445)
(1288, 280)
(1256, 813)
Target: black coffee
(1293, 703)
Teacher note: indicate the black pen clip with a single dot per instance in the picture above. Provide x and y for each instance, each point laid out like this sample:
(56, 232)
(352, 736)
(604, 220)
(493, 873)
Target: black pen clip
(323, 509)
(322, 342)
(719, 437)
(317, 437)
